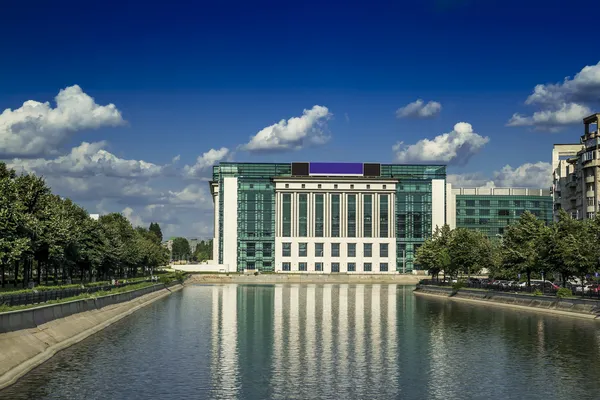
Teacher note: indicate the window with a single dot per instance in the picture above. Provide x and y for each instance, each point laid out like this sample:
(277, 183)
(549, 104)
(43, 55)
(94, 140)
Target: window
(286, 266)
(501, 231)
(503, 203)
(335, 249)
(303, 186)
(335, 185)
(384, 186)
(383, 215)
(351, 249)
(251, 265)
(319, 215)
(590, 187)
(287, 250)
(367, 267)
(470, 211)
(335, 267)
(517, 203)
(267, 265)
(504, 212)
(368, 214)
(351, 267)
(251, 249)
(470, 203)
(351, 186)
(318, 249)
(319, 267)
(319, 186)
(402, 225)
(302, 249)
(484, 212)
(302, 266)
(536, 204)
(287, 185)
(303, 215)
(590, 215)
(287, 215)
(383, 267)
(267, 249)
(417, 225)
(484, 221)
(351, 215)
(484, 203)
(368, 249)
(590, 201)
(335, 215)
(368, 186)
(383, 249)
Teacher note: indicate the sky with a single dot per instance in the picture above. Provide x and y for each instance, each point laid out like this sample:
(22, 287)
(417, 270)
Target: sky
(125, 106)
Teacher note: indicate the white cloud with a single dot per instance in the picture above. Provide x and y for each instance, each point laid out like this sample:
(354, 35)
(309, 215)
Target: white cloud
(528, 175)
(293, 134)
(205, 161)
(418, 109)
(89, 159)
(37, 129)
(453, 148)
(563, 103)
(552, 120)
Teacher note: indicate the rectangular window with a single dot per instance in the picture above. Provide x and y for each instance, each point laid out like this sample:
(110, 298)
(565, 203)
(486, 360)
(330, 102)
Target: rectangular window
(286, 266)
(484, 203)
(383, 215)
(251, 265)
(383, 250)
(319, 267)
(368, 215)
(484, 221)
(536, 204)
(335, 215)
(417, 225)
(470, 211)
(335, 267)
(504, 212)
(517, 203)
(351, 249)
(287, 215)
(351, 267)
(267, 249)
(251, 250)
(302, 215)
(367, 267)
(590, 215)
(368, 249)
(318, 249)
(484, 212)
(383, 267)
(267, 265)
(402, 225)
(335, 249)
(503, 203)
(302, 266)
(302, 249)
(319, 215)
(351, 215)
(287, 250)
(470, 203)
(590, 201)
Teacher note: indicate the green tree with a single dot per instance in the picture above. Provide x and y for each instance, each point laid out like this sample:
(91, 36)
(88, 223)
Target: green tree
(469, 252)
(155, 228)
(181, 249)
(203, 250)
(520, 246)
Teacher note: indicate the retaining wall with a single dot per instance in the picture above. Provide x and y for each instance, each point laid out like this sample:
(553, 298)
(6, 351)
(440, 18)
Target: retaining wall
(304, 278)
(574, 306)
(34, 335)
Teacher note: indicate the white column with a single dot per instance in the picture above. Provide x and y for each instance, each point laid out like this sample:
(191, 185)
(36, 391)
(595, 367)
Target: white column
(216, 228)
(450, 207)
(229, 350)
(278, 343)
(343, 330)
(294, 330)
(230, 204)
(359, 334)
(327, 327)
(376, 215)
(311, 332)
(437, 203)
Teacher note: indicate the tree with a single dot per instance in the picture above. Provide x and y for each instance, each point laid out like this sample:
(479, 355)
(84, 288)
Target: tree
(155, 228)
(181, 249)
(469, 252)
(520, 246)
(203, 250)
(14, 237)
(433, 254)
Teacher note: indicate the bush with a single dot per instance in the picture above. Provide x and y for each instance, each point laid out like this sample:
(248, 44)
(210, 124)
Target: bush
(564, 292)
(537, 292)
(456, 286)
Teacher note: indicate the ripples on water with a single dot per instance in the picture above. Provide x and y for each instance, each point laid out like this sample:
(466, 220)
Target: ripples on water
(327, 342)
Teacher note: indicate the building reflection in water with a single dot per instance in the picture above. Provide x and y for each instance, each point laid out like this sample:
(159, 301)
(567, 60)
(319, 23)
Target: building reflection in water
(224, 338)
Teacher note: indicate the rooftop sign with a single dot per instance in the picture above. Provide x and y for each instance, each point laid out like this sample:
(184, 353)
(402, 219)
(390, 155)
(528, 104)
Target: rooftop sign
(329, 169)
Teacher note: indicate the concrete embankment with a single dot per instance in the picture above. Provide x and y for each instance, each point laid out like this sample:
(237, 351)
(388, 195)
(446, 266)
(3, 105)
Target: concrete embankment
(305, 278)
(30, 337)
(573, 307)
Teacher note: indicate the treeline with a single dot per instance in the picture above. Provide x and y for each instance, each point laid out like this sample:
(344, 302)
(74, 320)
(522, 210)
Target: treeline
(45, 238)
(181, 250)
(564, 249)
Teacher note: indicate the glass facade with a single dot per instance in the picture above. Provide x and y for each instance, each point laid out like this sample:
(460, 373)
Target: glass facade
(303, 215)
(335, 215)
(383, 215)
(287, 215)
(491, 214)
(319, 215)
(368, 215)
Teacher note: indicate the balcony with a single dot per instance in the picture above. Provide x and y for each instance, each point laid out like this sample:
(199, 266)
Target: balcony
(590, 194)
(590, 179)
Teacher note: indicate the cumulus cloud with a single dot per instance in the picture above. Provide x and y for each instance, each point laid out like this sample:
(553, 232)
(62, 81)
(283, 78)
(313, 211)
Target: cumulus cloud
(205, 161)
(528, 175)
(293, 134)
(89, 159)
(453, 148)
(562, 103)
(37, 129)
(419, 109)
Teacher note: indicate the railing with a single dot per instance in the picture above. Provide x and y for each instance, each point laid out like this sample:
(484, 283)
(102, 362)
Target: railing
(42, 296)
(500, 286)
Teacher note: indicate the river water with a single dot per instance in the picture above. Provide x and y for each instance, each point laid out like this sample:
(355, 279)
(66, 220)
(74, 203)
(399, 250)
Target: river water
(324, 342)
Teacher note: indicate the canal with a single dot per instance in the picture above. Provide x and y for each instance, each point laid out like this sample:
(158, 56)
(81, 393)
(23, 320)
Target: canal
(323, 342)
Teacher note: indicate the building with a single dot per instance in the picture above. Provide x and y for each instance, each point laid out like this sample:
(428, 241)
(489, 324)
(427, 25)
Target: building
(491, 210)
(325, 217)
(576, 172)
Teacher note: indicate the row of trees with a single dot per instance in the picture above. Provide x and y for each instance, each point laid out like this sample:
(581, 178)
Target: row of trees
(45, 238)
(181, 250)
(564, 249)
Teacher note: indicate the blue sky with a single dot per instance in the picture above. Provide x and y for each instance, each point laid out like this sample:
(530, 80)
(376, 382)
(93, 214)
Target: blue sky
(187, 78)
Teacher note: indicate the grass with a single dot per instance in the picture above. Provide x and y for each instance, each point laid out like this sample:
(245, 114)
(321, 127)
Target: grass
(41, 288)
(117, 290)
